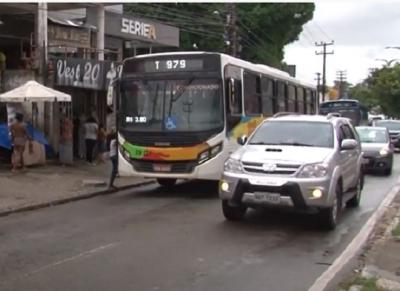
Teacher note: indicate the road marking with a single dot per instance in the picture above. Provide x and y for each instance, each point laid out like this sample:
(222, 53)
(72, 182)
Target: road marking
(83, 254)
(322, 281)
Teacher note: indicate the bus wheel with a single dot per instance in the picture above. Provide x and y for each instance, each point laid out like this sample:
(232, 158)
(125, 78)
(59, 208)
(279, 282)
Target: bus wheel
(166, 182)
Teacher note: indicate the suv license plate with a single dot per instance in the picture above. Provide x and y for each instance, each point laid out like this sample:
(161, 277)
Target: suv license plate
(273, 198)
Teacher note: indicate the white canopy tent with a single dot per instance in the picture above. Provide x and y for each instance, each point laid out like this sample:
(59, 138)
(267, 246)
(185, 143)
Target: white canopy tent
(32, 91)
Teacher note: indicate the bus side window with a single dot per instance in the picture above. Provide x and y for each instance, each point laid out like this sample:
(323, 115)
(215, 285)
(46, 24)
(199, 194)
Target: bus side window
(291, 94)
(300, 99)
(233, 96)
(305, 101)
(252, 94)
(280, 92)
(267, 96)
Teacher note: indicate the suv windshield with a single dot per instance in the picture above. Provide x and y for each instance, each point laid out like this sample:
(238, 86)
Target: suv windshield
(296, 133)
(372, 135)
(390, 125)
(171, 105)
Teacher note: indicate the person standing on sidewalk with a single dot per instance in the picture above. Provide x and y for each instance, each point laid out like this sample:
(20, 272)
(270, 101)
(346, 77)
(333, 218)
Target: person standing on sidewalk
(101, 144)
(90, 131)
(19, 137)
(113, 158)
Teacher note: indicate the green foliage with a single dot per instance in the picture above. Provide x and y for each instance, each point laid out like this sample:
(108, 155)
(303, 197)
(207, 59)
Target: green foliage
(382, 87)
(368, 284)
(263, 28)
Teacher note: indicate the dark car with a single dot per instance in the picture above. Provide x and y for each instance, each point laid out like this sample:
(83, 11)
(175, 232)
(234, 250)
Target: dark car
(377, 148)
(393, 126)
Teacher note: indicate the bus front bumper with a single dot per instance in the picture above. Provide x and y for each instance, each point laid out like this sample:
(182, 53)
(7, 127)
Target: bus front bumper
(191, 170)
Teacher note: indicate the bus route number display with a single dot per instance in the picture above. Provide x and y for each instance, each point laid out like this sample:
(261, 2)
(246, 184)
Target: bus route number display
(173, 65)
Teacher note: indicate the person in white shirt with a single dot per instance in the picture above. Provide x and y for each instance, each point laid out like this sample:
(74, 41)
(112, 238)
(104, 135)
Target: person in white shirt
(90, 130)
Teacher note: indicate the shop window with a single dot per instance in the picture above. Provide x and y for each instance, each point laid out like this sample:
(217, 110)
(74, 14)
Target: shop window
(267, 97)
(252, 94)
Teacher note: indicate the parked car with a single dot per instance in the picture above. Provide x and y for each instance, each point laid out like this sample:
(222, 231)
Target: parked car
(377, 148)
(297, 161)
(393, 126)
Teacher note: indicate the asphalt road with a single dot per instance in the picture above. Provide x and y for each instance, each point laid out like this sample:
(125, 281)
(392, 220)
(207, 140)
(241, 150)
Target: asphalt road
(153, 239)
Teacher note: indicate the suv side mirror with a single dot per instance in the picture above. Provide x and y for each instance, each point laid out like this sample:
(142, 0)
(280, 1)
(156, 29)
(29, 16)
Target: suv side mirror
(348, 144)
(242, 140)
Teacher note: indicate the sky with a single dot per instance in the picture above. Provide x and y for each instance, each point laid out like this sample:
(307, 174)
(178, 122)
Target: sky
(360, 30)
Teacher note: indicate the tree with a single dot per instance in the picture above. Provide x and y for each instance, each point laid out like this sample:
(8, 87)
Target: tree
(263, 28)
(381, 88)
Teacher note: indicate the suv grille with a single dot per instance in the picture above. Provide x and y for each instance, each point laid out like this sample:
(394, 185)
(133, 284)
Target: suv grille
(275, 169)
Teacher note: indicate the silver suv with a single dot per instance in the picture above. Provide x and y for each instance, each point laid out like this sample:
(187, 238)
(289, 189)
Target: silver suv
(298, 161)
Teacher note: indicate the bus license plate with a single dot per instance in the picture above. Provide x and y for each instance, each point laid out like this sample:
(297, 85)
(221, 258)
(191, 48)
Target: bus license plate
(272, 198)
(162, 168)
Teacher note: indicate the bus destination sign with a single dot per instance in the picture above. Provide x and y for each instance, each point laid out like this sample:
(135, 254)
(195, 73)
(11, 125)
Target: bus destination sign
(173, 65)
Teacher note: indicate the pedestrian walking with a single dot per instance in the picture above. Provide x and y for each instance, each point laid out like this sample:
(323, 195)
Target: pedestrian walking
(101, 144)
(113, 158)
(19, 137)
(90, 131)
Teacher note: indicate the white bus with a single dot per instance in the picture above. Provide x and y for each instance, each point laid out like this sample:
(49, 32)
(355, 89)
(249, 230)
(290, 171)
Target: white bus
(180, 114)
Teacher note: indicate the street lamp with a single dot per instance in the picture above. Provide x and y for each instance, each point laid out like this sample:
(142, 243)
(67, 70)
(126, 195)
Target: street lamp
(387, 62)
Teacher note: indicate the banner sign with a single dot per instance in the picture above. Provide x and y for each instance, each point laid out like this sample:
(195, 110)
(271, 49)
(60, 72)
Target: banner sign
(89, 74)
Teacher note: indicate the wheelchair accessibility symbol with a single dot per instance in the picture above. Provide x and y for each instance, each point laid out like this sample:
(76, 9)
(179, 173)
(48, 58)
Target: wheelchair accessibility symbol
(170, 123)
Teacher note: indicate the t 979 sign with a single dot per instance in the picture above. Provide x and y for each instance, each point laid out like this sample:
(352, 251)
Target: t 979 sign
(173, 65)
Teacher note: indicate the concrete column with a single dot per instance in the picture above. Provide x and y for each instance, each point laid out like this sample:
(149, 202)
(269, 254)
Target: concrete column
(100, 31)
(41, 37)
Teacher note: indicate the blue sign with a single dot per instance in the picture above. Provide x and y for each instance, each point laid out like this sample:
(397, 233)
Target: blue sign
(170, 123)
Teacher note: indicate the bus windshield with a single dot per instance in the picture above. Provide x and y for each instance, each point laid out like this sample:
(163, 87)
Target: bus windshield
(192, 104)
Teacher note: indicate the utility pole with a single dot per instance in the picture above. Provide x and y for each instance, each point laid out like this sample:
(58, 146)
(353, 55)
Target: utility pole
(232, 29)
(324, 53)
(318, 79)
(341, 78)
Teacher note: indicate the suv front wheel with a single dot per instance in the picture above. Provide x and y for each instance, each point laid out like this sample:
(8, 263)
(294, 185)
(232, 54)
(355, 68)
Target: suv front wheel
(233, 213)
(329, 216)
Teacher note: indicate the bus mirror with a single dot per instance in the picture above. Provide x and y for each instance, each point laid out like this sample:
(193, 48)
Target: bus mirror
(242, 140)
(111, 92)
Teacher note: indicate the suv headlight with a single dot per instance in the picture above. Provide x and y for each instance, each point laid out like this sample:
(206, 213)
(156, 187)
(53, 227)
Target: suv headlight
(384, 152)
(233, 166)
(313, 171)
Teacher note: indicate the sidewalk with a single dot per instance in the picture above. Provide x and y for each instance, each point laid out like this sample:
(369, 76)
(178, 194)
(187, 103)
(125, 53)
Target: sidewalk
(42, 186)
(380, 261)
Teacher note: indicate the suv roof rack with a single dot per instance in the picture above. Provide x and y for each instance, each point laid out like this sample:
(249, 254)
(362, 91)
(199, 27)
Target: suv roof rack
(279, 114)
(333, 114)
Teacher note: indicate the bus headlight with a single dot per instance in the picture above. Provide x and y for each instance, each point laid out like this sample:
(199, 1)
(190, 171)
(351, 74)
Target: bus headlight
(125, 153)
(210, 153)
(384, 152)
(233, 166)
(204, 156)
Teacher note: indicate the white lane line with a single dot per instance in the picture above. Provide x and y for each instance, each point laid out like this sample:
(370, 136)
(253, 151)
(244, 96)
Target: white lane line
(83, 254)
(322, 281)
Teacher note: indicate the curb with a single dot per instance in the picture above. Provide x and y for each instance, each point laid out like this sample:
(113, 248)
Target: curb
(75, 198)
(323, 281)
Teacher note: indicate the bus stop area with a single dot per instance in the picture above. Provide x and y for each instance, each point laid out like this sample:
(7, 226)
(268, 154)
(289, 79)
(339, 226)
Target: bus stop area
(39, 187)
